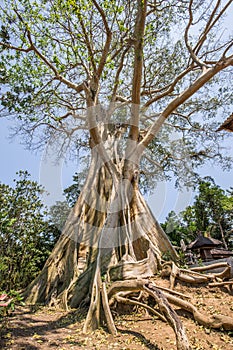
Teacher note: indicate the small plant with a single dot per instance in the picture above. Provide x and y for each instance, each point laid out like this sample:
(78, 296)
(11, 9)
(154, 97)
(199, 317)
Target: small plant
(166, 256)
(182, 260)
(9, 300)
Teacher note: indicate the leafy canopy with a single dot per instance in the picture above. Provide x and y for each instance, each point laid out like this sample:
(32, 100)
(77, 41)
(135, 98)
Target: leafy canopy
(26, 236)
(58, 55)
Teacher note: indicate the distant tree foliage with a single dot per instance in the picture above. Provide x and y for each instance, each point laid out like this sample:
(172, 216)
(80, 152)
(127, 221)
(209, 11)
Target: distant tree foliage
(211, 213)
(26, 236)
(58, 214)
(73, 191)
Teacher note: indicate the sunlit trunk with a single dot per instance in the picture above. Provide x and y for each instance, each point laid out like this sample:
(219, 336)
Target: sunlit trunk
(110, 226)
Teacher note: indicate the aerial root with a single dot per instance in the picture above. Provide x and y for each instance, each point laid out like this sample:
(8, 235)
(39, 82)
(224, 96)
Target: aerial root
(109, 319)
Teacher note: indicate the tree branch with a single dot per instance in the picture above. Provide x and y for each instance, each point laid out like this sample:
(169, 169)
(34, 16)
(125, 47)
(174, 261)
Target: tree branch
(210, 25)
(138, 67)
(169, 88)
(107, 42)
(12, 47)
(187, 43)
(184, 96)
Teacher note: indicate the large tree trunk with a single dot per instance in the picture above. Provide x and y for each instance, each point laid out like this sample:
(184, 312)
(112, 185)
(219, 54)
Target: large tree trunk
(109, 218)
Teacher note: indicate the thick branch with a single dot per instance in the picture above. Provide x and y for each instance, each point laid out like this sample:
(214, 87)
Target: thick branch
(184, 96)
(116, 82)
(99, 146)
(138, 67)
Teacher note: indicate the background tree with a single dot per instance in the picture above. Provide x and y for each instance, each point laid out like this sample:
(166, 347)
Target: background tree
(173, 228)
(59, 211)
(211, 212)
(58, 214)
(118, 71)
(73, 191)
(26, 238)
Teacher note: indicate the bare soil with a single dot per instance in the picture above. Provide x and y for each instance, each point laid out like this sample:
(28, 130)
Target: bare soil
(45, 328)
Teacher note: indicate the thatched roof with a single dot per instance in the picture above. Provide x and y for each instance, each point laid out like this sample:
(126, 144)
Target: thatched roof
(201, 242)
(227, 125)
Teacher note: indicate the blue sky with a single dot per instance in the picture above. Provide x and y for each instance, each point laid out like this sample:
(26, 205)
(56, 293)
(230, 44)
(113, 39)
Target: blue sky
(55, 178)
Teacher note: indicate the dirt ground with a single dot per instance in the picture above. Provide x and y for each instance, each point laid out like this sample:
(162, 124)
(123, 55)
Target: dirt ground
(45, 329)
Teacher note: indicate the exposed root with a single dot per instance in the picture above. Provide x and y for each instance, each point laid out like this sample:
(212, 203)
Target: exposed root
(210, 267)
(192, 276)
(215, 321)
(173, 320)
(164, 307)
(227, 284)
(127, 301)
(219, 284)
(109, 319)
(174, 292)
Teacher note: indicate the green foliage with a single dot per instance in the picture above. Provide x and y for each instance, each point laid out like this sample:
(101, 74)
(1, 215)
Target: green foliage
(211, 213)
(73, 191)
(213, 210)
(26, 237)
(69, 39)
(58, 214)
(51, 50)
(15, 299)
(173, 228)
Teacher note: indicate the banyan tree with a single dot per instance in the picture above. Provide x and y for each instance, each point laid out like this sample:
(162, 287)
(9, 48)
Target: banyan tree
(138, 88)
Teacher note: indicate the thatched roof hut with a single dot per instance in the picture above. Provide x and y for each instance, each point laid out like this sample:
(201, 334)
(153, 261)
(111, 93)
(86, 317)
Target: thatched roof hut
(227, 125)
(204, 246)
(204, 242)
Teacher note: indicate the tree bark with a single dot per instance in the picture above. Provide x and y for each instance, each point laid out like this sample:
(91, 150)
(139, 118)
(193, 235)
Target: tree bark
(130, 238)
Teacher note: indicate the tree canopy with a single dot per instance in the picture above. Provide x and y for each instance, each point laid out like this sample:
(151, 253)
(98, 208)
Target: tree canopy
(60, 57)
(26, 236)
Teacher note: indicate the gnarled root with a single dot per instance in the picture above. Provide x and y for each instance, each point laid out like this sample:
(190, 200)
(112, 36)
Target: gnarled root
(192, 276)
(164, 307)
(215, 321)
